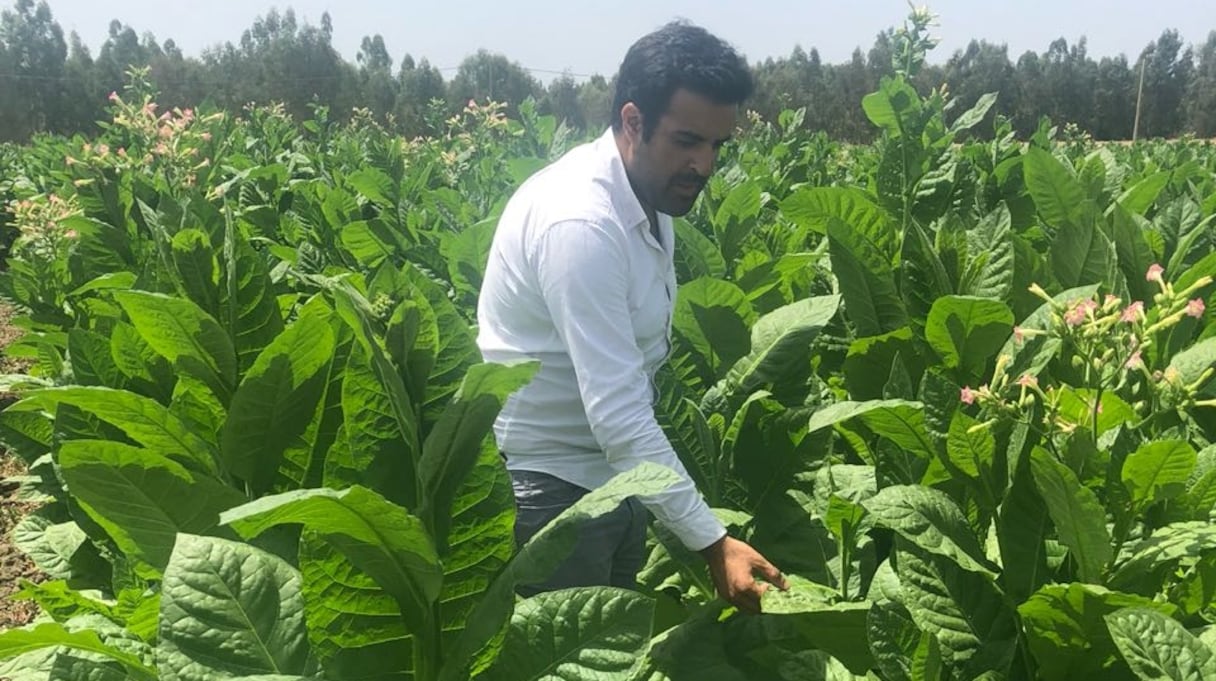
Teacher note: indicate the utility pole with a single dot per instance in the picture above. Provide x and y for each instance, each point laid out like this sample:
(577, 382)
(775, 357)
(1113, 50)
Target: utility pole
(1139, 96)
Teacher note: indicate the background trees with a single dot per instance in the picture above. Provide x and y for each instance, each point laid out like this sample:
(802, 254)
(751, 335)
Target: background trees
(52, 83)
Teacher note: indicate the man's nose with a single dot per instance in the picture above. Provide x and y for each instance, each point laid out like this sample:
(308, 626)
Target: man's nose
(703, 160)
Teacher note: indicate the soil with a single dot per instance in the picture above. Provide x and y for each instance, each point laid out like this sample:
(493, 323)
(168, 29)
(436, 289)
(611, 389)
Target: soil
(14, 565)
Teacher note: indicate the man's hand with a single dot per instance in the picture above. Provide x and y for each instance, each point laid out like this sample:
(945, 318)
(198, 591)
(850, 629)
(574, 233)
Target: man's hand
(733, 565)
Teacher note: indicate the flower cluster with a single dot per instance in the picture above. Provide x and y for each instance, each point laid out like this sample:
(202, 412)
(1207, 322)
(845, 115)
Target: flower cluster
(174, 139)
(41, 222)
(1106, 342)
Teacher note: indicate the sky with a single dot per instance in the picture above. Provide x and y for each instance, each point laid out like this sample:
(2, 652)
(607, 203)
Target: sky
(551, 36)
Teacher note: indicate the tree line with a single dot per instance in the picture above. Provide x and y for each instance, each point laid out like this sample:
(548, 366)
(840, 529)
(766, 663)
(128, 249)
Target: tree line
(52, 83)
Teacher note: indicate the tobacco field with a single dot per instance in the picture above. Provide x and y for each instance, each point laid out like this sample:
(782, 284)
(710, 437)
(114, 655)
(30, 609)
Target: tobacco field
(960, 391)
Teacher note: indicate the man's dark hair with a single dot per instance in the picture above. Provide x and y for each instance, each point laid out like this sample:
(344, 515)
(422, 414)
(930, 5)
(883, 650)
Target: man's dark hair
(678, 55)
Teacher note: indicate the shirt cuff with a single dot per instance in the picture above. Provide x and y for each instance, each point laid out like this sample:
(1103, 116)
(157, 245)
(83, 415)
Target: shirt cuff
(698, 531)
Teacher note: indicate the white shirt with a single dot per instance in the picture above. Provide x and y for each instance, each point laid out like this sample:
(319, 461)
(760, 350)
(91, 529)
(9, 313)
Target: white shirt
(576, 280)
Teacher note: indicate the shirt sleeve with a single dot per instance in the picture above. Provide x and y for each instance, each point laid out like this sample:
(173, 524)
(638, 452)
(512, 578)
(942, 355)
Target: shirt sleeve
(583, 273)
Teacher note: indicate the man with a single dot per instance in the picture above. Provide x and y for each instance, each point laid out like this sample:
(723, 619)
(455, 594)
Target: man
(580, 276)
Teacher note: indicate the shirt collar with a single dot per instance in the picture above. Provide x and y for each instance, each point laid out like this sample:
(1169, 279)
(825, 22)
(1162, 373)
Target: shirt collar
(624, 202)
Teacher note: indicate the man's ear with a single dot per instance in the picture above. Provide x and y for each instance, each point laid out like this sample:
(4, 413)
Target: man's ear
(631, 121)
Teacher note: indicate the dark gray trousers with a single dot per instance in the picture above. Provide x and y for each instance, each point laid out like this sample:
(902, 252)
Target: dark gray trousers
(611, 549)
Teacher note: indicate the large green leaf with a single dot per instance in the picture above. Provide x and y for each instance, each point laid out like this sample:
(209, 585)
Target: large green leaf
(454, 446)
(967, 331)
(354, 626)
(962, 609)
(695, 650)
(813, 207)
(780, 342)
(1157, 471)
(1076, 512)
(867, 281)
(1058, 195)
(900, 421)
(467, 253)
(537, 559)
(184, 334)
(304, 459)
(973, 116)
(696, 255)
(1083, 255)
(922, 274)
(1151, 559)
(989, 272)
(371, 242)
(1141, 196)
(687, 428)
(381, 423)
(736, 216)
(1067, 634)
(930, 519)
(456, 352)
(895, 107)
(16, 642)
(277, 399)
(1159, 647)
(838, 629)
(229, 610)
(714, 318)
(248, 308)
(760, 448)
(594, 632)
(1194, 361)
(1022, 524)
(868, 364)
(92, 363)
(141, 418)
(480, 543)
(198, 269)
(379, 537)
(1134, 253)
(902, 652)
(142, 498)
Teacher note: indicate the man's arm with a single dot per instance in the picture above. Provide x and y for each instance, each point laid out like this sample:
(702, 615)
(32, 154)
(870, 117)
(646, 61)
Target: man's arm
(583, 273)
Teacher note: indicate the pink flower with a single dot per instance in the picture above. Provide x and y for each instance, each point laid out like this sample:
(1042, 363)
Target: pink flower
(1133, 313)
(70, 234)
(1028, 381)
(1075, 316)
(1195, 308)
(967, 395)
(1154, 273)
(1018, 334)
(1135, 361)
(113, 96)
(206, 136)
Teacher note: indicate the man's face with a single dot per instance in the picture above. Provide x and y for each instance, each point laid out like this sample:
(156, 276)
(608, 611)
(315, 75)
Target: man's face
(673, 166)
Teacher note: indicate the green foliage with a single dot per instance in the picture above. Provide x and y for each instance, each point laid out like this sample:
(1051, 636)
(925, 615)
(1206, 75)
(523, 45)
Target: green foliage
(959, 391)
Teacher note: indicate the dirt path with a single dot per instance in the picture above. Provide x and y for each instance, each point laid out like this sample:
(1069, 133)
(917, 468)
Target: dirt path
(14, 566)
